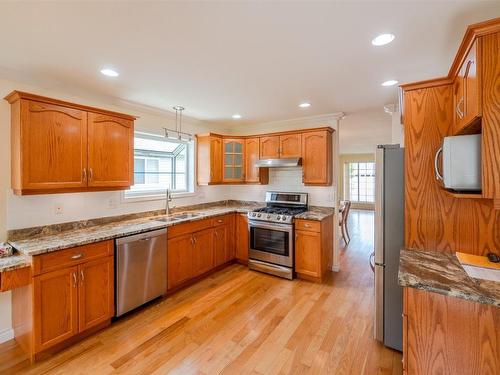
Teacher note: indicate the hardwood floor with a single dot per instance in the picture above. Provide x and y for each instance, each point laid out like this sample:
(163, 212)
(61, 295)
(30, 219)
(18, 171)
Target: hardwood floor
(241, 322)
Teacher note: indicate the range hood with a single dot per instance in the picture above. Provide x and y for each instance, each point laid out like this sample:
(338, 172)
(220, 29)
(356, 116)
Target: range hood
(276, 163)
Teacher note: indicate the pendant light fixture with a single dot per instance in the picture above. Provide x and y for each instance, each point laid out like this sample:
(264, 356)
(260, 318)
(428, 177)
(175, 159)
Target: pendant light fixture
(178, 134)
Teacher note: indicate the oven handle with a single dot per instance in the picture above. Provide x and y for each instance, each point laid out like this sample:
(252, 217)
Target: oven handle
(261, 224)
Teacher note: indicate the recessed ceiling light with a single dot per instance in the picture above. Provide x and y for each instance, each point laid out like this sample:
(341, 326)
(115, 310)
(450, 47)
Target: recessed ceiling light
(236, 116)
(383, 39)
(304, 105)
(110, 72)
(390, 82)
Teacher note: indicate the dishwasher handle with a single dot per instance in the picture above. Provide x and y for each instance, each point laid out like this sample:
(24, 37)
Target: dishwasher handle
(141, 236)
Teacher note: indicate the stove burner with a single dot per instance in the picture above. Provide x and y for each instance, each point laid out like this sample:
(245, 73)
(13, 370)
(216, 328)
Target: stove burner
(281, 210)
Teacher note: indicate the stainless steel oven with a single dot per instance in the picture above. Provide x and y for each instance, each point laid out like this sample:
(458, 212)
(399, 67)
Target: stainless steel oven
(271, 242)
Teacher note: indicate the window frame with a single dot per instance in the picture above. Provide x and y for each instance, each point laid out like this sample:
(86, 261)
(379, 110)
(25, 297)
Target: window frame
(159, 194)
(348, 182)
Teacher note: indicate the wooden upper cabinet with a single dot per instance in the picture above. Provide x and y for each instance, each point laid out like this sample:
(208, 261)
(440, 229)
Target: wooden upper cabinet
(233, 160)
(291, 146)
(270, 147)
(49, 146)
(96, 292)
(317, 157)
(467, 89)
(209, 159)
(54, 142)
(56, 307)
(110, 151)
(254, 174)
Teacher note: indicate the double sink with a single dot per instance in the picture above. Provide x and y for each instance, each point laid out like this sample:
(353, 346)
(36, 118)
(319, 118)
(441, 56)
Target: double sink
(178, 217)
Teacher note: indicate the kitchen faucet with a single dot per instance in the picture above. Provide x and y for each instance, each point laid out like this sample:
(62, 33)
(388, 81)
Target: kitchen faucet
(167, 200)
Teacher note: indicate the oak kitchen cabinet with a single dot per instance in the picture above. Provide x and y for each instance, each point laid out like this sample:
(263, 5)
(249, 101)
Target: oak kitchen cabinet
(233, 167)
(72, 292)
(197, 247)
(467, 90)
(241, 240)
(59, 147)
(313, 248)
(254, 174)
(235, 157)
(317, 157)
(281, 146)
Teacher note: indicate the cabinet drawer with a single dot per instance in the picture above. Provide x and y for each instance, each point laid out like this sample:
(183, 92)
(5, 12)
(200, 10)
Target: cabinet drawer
(14, 279)
(189, 227)
(69, 257)
(308, 225)
(221, 220)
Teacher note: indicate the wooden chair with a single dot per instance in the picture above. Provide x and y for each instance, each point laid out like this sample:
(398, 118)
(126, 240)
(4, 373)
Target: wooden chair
(343, 221)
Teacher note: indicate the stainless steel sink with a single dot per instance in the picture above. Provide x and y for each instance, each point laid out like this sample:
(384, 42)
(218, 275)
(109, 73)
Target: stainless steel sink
(177, 217)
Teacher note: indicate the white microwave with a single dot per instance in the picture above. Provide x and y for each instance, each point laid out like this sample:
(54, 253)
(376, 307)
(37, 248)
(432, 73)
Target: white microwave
(461, 166)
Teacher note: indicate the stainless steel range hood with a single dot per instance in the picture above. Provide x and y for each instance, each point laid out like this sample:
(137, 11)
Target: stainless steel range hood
(276, 163)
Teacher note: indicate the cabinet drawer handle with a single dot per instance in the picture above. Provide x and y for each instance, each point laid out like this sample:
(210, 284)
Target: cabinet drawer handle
(74, 280)
(77, 256)
(82, 276)
(307, 225)
(220, 221)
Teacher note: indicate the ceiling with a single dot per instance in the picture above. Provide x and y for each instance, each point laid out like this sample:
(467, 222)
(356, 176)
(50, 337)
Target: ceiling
(259, 59)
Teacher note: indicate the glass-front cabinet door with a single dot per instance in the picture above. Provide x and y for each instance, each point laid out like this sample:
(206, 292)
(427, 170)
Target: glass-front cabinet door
(234, 161)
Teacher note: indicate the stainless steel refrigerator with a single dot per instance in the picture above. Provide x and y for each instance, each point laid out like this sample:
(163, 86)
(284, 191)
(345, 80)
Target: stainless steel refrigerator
(389, 239)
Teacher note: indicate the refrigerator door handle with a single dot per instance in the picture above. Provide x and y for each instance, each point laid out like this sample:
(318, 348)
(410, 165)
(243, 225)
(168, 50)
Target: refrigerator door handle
(372, 263)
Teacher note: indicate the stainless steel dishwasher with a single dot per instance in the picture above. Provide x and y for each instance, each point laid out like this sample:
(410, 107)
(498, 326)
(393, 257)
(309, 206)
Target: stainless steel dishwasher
(141, 269)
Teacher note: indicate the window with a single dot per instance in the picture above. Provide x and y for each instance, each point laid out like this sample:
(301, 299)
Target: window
(160, 163)
(361, 182)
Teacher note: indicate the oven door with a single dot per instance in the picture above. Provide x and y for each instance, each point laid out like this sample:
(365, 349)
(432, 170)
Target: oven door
(271, 242)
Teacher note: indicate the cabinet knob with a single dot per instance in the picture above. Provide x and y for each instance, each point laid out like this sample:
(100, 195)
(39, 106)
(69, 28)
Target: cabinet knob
(91, 174)
(82, 276)
(77, 256)
(460, 113)
(84, 174)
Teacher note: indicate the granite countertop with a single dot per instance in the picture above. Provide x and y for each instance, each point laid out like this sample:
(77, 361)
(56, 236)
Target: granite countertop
(44, 243)
(14, 262)
(442, 273)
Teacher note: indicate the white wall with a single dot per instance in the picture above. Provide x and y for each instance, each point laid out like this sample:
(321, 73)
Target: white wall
(361, 132)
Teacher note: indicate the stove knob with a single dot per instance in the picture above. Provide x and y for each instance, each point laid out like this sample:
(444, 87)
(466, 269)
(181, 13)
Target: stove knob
(254, 214)
(278, 217)
(268, 216)
(259, 215)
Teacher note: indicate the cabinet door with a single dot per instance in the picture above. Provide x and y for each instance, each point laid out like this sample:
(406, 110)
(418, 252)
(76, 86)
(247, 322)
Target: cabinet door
(55, 307)
(468, 90)
(234, 165)
(179, 260)
(242, 238)
(317, 158)
(96, 292)
(53, 146)
(253, 173)
(215, 160)
(291, 146)
(111, 151)
(269, 147)
(203, 255)
(222, 244)
(308, 253)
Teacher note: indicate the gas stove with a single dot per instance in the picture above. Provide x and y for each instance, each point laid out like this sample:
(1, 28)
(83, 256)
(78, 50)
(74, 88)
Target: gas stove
(281, 207)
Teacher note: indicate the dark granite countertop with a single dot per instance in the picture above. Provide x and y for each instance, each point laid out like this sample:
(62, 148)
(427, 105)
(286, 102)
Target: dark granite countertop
(48, 239)
(442, 273)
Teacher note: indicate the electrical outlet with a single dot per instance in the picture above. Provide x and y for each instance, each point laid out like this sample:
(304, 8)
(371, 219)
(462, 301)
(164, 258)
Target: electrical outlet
(58, 209)
(112, 203)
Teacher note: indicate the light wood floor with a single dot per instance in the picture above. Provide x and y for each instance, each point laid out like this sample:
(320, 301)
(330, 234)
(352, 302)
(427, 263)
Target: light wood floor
(242, 322)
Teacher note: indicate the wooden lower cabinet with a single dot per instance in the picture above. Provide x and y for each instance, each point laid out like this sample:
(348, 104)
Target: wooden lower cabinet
(96, 292)
(448, 335)
(55, 307)
(313, 248)
(179, 260)
(69, 300)
(241, 240)
(203, 252)
(223, 242)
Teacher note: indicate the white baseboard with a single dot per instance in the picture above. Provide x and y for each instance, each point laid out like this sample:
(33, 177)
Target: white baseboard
(6, 335)
(335, 268)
